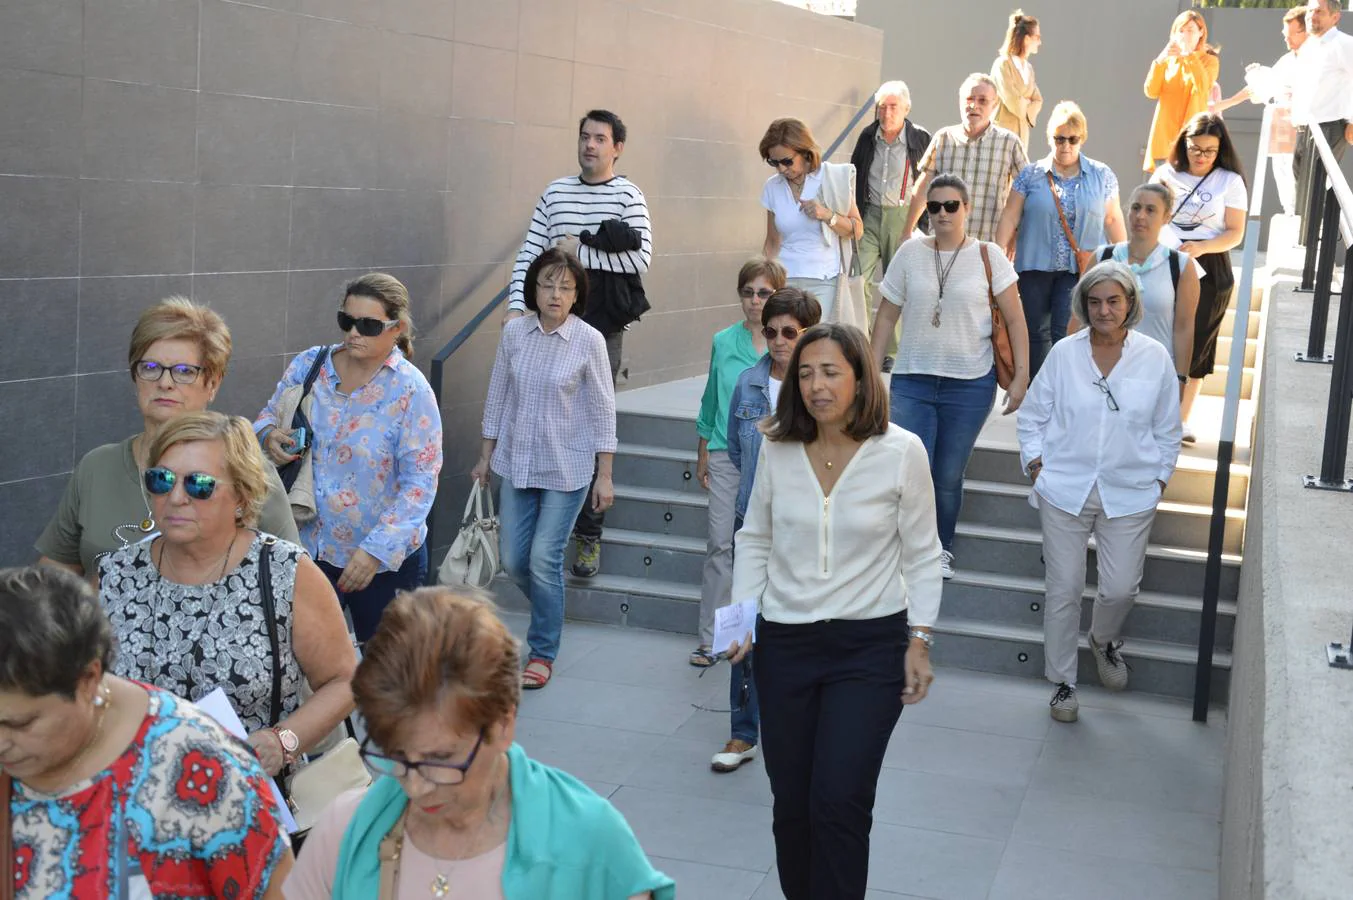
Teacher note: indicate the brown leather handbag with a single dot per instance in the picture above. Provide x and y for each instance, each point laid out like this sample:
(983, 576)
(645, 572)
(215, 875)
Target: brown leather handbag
(1085, 259)
(1001, 350)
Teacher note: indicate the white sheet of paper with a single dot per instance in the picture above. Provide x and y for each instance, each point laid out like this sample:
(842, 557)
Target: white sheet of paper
(217, 705)
(732, 623)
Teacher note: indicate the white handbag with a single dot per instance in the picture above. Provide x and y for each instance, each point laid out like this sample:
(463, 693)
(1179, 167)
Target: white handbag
(473, 558)
(317, 783)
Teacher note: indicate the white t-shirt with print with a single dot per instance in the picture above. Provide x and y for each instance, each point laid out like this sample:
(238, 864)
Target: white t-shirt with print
(1202, 216)
(960, 347)
(804, 252)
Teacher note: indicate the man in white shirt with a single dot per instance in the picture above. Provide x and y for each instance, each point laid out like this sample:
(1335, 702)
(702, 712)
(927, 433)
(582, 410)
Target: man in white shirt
(1323, 96)
(601, 218)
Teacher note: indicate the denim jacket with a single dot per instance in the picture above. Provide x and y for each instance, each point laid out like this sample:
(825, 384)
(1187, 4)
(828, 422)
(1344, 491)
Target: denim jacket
(1040, 228)
(749, 405)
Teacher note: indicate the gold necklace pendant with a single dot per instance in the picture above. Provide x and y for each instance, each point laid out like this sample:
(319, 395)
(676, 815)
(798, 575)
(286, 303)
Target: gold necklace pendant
(829, 464)
(147, 525)
(441, 886)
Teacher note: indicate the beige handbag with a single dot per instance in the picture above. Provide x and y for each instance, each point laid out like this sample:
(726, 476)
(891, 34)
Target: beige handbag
(315, 785)
(473, 558)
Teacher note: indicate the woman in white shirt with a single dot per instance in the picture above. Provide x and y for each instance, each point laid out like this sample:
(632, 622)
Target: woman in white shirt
(839, 550)
(1099, 435)
(1205, 173)
(944, 379)
(804, 226)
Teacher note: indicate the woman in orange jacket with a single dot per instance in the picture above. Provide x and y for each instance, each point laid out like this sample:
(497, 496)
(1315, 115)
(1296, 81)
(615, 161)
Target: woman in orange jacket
(1180, 81)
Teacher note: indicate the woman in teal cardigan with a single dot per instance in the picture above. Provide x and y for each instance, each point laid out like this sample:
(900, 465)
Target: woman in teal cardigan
(460, 806)
(733, 350)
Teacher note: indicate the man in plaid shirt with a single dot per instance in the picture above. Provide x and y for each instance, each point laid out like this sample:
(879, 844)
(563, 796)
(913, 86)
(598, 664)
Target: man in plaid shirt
(985, 155)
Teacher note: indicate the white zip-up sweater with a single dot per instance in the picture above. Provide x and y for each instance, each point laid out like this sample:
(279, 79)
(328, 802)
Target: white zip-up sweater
(869, 549)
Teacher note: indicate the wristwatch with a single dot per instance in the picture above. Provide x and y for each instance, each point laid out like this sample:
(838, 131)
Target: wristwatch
(924, 637)
(831, 223)
(1183, 379)
(291, 744)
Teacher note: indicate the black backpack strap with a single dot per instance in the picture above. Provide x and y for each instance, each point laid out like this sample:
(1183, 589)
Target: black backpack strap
(1174, 269)
(315, 368)
(1107, 254)
(270, 615)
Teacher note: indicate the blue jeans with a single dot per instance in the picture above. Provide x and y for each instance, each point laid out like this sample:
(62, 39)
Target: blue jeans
(744, 717)
(536, 524)
(367, 605)
(947, 414)
(1047, 310)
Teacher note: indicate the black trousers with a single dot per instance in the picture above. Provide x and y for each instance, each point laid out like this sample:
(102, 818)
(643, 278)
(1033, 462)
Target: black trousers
(1302, 157)
(830, 694)
(1214, 296)
(589, 522)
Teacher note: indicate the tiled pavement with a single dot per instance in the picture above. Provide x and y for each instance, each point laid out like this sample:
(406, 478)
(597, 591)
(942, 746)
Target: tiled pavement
(982, 797)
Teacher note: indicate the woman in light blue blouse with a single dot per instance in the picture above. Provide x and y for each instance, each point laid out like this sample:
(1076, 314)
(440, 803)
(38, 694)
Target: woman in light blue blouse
(376, 450)
(1045, 258)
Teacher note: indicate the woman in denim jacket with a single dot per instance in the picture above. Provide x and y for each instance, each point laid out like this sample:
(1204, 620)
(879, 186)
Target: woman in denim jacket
(787, 314)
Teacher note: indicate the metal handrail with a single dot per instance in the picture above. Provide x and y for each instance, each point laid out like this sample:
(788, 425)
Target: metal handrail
(1337, 183)
(437, 369)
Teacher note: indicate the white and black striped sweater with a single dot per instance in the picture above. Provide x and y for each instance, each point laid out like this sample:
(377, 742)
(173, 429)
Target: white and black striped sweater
(570, 206)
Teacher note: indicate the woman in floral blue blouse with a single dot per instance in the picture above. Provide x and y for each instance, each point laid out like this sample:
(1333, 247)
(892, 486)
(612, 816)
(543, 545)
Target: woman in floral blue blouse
(376, 450)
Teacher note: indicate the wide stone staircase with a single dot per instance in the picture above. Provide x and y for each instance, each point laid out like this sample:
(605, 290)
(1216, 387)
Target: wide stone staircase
(991, 618)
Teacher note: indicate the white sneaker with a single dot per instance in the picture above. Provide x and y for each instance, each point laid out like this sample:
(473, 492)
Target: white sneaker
(1065, 706)
(1189, 437)
(946, 564)
(734, 754)
(1113, 669)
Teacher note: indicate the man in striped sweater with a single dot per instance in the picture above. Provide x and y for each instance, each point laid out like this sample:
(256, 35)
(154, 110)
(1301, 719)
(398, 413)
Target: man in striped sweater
(570, 214)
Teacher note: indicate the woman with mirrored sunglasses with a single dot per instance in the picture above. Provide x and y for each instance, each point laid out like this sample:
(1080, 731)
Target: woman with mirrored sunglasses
(458, 808)
(786, 315)
(190, 609)
(732, 351)
(1207, 222)
(1062, 204)
(944, 381)
(177, 360)
(1099, 437)
(375, 450)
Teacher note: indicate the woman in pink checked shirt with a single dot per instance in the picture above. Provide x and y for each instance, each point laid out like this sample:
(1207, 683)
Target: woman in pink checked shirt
(550, 415)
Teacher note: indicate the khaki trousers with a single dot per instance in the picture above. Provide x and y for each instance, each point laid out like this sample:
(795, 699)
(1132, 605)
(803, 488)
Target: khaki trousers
(883, 234)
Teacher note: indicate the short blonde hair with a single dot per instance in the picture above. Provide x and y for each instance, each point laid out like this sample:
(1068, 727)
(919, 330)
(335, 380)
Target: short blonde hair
(794, 134)
(180, 319)
(243, 459)
(1067, 112)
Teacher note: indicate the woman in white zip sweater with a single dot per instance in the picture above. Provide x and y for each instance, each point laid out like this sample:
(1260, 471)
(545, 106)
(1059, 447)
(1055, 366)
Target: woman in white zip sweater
(840, 549)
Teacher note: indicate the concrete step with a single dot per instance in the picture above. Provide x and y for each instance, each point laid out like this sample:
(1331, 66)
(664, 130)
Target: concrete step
(656, 430)
(619, 600)
(1011, 600)
(1214, 385)
(1018, 552)
(1176, 524)
(642, 465)
(649, 556)
(1193, 481)
(1157, 668)
(1229, 321)
(1224, 350)
(659, 511)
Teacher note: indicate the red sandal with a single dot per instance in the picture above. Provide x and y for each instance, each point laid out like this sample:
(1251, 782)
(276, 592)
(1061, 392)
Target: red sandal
(537, 675)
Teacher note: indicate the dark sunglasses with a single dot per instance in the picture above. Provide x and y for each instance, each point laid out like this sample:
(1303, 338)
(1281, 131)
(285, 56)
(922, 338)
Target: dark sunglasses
(747, 293)
(780, 163)
(198, 485)
(788, 332)
(434, 772)
(1072, 139)
(149, 370)
(366, 326)
(950, 206)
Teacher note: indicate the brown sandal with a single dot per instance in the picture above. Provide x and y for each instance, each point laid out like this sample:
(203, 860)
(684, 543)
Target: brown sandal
(537, 675)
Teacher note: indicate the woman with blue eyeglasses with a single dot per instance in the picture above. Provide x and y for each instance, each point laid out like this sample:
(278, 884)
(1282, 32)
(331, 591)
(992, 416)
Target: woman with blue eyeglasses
(460, 810)
(212, 603)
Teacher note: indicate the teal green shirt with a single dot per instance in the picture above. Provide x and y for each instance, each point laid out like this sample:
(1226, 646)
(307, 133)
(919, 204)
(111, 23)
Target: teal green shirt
(731, 354)
(565, 842)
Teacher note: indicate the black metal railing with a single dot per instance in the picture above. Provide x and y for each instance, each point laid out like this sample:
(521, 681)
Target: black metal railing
(438, 367)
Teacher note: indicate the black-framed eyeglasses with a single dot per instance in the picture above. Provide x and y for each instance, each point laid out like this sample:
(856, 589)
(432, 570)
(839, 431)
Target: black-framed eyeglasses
(444, 773)
(366, 325)
(198, 485)
(152, 371)
(1201, 152)
(950, 206)
(747, 293)
(1103, 384)
(1072, 139)
(788, 332)
(779, 163)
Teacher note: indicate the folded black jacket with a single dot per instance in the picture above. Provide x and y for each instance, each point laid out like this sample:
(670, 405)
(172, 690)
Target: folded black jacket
(614, 299)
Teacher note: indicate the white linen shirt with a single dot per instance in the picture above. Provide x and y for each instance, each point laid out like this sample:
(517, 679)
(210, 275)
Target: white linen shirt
(551, 404)
(869, 549)
(1066, 420)
(1323, 91)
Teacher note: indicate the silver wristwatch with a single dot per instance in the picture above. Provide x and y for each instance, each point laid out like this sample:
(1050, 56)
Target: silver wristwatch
(924, 637)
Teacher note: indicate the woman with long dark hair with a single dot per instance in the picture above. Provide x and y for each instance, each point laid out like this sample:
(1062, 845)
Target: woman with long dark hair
(1208, 220)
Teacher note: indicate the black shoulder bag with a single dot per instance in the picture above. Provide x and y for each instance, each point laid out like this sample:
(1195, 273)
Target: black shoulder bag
(289, 472)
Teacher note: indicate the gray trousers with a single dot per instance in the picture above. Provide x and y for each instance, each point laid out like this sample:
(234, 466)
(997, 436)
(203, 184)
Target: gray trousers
(716, 583)
(1120, 545)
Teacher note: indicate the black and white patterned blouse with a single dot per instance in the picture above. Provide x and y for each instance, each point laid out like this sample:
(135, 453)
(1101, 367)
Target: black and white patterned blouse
(192, 639)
